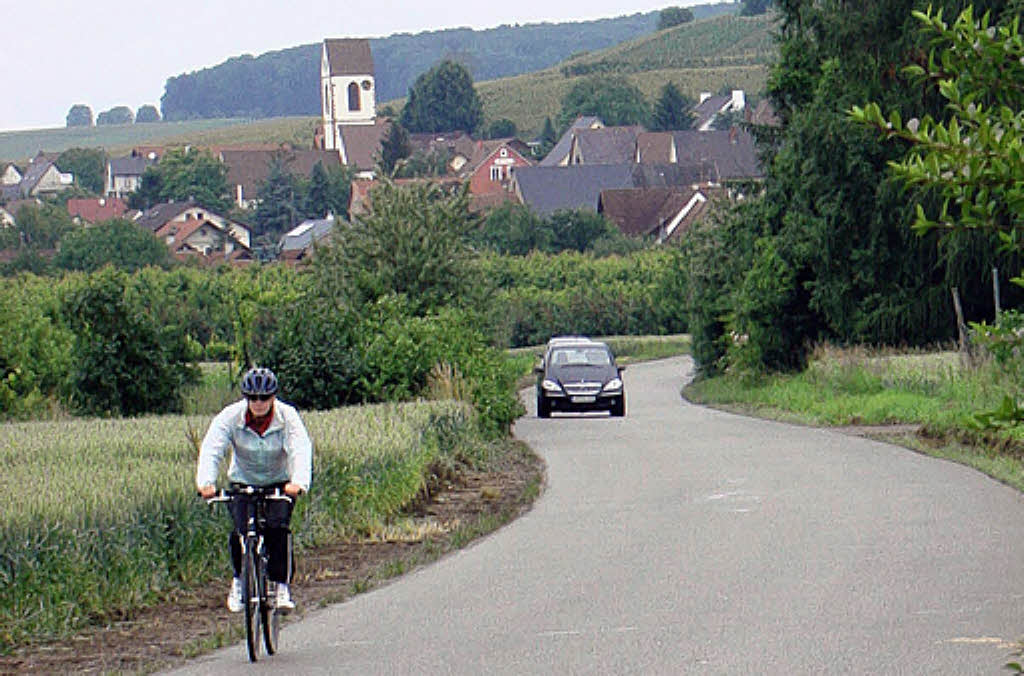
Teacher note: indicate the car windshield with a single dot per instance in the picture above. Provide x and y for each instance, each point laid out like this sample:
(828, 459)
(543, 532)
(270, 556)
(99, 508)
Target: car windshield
(580, 356)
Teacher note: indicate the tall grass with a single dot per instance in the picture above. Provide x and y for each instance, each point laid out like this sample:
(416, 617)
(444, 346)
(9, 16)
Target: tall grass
(99, 517)
(858, 386)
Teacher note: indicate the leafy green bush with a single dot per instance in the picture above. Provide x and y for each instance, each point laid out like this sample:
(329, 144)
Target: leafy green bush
(126, 360)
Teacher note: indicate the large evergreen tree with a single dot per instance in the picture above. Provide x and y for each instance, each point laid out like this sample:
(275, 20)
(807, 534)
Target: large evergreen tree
(394, 148)
(672, 110)
(443, 99)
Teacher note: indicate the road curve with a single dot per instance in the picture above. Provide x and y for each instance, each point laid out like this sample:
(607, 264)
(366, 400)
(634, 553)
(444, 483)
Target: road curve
(685, 540)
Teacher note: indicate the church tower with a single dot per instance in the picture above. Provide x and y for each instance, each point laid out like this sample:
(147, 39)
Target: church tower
(347, 88)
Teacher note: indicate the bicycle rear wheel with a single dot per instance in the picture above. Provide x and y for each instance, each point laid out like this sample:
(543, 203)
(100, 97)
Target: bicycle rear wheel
(251, 600)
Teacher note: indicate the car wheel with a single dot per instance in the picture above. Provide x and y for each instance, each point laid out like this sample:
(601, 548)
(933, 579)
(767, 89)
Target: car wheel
(543, 407)
(619, 409)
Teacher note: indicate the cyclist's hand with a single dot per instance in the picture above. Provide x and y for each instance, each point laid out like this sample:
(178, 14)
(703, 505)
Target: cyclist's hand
(292, 490)
(207, 491)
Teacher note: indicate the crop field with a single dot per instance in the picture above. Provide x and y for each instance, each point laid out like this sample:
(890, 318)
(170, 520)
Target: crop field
(17, 146)
(100, 517)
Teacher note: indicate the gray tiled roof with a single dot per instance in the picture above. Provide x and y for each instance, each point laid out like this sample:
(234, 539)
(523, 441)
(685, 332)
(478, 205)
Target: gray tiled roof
(158, 215)
(607, 145)
(307, 232)
(547, 189)
(349, 56)
(129, 166)
(731, 151)
(561, 149)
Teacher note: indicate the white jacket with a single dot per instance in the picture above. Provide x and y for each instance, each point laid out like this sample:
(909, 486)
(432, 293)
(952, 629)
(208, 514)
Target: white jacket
(283, 453)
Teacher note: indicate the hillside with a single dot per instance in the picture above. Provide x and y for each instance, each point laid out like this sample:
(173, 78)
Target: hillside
(710, 55)
(286, 82)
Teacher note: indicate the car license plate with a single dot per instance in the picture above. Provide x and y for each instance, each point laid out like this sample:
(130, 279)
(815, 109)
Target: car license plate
(584, 400)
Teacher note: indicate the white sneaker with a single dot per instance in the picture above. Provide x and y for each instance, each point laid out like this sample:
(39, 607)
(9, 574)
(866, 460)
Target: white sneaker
(284, 598)
(235, 596)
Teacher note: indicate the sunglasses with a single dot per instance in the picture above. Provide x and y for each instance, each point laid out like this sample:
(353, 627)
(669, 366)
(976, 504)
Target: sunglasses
(259, 397)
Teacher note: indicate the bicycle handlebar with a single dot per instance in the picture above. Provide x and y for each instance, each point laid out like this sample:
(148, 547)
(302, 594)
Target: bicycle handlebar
(229, 494)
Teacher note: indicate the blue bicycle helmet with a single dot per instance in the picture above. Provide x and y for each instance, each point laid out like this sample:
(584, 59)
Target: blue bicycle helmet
(259, 380)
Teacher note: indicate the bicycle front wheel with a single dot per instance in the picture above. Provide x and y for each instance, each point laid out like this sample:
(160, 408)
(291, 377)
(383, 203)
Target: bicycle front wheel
(251, 600)
(269, 616)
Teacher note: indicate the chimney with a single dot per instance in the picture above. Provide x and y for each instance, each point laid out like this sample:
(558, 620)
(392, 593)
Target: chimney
(739, 101)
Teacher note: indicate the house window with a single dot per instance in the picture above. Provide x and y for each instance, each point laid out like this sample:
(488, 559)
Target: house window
(353, 96)
(496, 173)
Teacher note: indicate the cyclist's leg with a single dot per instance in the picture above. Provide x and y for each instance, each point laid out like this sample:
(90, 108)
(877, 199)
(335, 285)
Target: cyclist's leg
(277, 537)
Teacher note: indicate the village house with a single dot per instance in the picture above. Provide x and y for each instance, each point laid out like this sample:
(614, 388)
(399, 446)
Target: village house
(159, 216)
(297, 244)
(249, 169)
(709, 107)
(659, 214)
(124, 174)
(96, 209)
(9, 174)
(42, 177)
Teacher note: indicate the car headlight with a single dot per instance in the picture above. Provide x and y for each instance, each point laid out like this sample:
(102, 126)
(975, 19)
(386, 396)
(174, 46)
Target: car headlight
(550, 385)
(613, 384)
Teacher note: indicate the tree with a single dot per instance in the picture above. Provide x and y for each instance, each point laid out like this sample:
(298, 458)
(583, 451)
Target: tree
(548, 138)
(974, 160)
(513, 229)
(614, 99)
(673, 16)
(413, 242)
(754, 7)
(394, 148)
(118, 242)
(80, 115)
(578, 229)
(116, 115)
(182, 175)
(329, 191)
(42, 227)
(127, 362)
(89, 166)
(672, 110)
(503, 128)
(147, 113)
(279, 200)
(443, 99)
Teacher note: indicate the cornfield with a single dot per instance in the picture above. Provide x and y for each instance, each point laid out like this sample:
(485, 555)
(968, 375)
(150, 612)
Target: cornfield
(100, 517)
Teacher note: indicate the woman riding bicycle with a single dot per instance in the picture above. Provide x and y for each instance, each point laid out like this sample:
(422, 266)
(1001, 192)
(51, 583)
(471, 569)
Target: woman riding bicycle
(271, 448)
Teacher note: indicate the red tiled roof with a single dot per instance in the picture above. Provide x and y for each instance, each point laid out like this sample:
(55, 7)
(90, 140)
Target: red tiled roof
(93, 210)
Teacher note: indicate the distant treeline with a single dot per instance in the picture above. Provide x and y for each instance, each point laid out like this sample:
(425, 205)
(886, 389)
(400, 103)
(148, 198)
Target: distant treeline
(286, 82)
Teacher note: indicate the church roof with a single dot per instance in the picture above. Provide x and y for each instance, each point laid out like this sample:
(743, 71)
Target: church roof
(349, 56)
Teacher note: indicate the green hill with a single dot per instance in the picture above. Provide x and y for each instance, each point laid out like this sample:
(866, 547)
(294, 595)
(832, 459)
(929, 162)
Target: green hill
(725, 52)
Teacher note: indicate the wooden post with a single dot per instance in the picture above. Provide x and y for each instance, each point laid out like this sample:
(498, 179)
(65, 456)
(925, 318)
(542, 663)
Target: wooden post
(995, 290)
(965, 341)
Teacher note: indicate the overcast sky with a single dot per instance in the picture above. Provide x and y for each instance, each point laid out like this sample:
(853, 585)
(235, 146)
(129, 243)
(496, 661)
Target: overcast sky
(104, 54)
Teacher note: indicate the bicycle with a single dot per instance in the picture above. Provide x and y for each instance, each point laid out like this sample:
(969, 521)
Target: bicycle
(260, 604)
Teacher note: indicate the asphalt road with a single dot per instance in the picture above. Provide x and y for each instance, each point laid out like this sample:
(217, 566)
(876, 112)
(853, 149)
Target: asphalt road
(685, 540)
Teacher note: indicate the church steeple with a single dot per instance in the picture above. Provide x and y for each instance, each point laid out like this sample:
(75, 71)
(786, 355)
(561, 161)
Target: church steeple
(347, 87)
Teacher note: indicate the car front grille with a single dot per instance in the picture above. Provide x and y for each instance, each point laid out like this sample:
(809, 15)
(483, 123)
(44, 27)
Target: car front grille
(590, 388)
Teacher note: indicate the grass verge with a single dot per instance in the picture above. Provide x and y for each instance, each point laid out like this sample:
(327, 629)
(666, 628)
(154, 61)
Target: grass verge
(933, 393)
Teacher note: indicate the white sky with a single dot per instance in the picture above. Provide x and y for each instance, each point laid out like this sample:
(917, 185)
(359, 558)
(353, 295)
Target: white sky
(57, 53)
